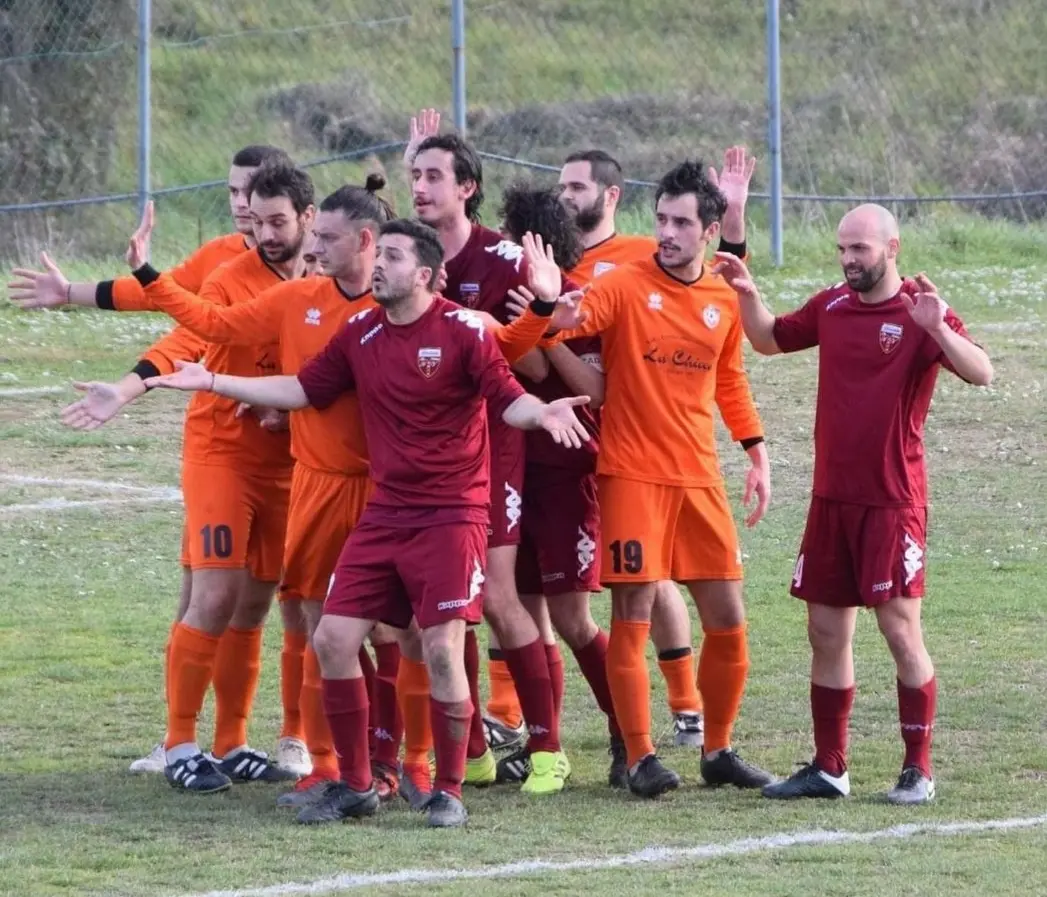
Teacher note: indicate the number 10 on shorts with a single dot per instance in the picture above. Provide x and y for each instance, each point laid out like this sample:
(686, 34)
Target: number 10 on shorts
(216, 541)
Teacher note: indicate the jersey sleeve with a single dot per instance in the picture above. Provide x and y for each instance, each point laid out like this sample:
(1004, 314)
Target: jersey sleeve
(489, 371)
(178, 345)
(954, 323)
(798, 329)
(329, 373)
(733, 395)
(127, 294)
(599, 312)
(522, 335)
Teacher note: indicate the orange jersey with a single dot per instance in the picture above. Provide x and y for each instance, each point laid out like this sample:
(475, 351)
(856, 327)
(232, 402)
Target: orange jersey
(213, 433)
(618, 249)
(671, 351)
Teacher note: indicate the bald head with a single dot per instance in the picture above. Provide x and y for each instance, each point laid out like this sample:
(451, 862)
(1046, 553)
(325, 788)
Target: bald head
(867, 240)
(871, 222)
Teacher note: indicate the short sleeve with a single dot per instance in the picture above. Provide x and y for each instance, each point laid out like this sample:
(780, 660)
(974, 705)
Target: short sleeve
(489, 371)
(955, 323)
(798, 329)
(329, 373)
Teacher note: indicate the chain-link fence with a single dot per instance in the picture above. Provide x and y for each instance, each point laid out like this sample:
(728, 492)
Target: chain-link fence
(906, 99)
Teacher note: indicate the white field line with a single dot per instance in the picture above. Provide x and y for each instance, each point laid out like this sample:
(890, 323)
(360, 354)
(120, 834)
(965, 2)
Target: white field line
(63, 504)
(16, 391)
(650, 856)
(100, 485)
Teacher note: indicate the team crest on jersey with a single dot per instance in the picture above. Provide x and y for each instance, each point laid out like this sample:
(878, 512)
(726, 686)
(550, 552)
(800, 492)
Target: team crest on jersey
(429, 360)
(654, 302)
(469, 294)
(602, 268)
(312, 316)
(711, 316)
(890, 337)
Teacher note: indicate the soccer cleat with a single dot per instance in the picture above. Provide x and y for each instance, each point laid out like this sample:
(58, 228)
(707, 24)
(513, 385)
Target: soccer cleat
(549, 773)
(513, 768)
(650, 778)
(386, 781)
(197, 773)
(618, 776)
(501, 737)
(416, 786)
(481, 771)
(154, 761)
(305, 792)
(727, 768)
(337, 802)
(913, 788)
(445, 811)
(688, 729)
(809, 780)
(292, 755)
(248, 765)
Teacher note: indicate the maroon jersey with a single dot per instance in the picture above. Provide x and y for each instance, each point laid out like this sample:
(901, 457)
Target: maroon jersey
(876, 374)
(422, 388)
(483, 272)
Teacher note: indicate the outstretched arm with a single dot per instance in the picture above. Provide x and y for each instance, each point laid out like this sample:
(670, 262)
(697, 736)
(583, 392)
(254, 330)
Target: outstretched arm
(757, 320)
(283, 391)
(582, 374)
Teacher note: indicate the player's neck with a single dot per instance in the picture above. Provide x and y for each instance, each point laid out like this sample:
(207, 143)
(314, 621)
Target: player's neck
(289, 270)
(454, 234)
(887, 288)
(409, 310)
(249, 241)
(600, 234)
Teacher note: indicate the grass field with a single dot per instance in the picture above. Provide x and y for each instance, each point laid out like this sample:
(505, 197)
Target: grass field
(89, 589)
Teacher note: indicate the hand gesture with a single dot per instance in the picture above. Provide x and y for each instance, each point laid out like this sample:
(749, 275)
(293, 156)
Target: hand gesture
(441, 280)
(39, 289)
(423, 125)
(102, 402)
(517, 302)
(733, 179)
(188, 375)
(558, 420)
(138, 245)
(543, 274)
(737, 275)
(925, 306)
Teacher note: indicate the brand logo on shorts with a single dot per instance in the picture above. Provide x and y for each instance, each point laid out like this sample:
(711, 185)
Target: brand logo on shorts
(553, 577)
(312, 316)
(711, 316)
(654, 301)
(512, 508)
(586, 549)
(469, 294)
(890, 337)
(883, 586)
(602, 268)
(429, 360)
(476, 583)
(912, 560)
(798, 572)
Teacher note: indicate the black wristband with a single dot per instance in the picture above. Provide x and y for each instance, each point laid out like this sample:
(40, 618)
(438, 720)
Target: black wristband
(104, 296)
(146, 274)
(146, 369)
(749, 443)
(542, 308)
(736, 249)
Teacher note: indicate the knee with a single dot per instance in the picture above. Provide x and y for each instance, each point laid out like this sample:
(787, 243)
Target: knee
(826, 637)
(439, 658)
(903, 634)
(327, 644)
(633, 602)
(573, 620)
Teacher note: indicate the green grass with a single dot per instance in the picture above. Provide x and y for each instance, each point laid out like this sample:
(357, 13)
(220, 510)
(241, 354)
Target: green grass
(88, 595)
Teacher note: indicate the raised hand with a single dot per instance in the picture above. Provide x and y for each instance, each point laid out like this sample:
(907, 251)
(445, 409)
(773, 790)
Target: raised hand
(543, 274)
(188, 375)
(423, 125)
(559, 420)
(39, 289)
(925, 306)
(138, 246)
(737, 275)
(733, 179)
(517, 302)
(100, 404)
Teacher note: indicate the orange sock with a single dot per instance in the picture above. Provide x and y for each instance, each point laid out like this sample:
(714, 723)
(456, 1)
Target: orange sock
(191, 665)
(504, 702)
(681, 685)
(722, 670)
(314, 723)
(631, 686)
(236, 671)
(291, 660)
(412, 691)
(167, 663)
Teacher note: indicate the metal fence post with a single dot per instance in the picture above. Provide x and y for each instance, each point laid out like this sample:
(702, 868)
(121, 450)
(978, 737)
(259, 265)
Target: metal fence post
(458, 69)
(145, 28)
(774, 129)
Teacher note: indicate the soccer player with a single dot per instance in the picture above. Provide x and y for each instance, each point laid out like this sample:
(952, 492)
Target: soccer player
(423, 369)
(236, 485)
(881, 341)
(672, 350)
(482, 266)
(591, 184)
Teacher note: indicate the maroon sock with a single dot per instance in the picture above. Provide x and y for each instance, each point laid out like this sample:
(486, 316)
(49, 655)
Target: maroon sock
(388, 729)
(450, 738)
(916, 707)
(346, 707)
(367, 667)
(555, 661)
(529, 667)
(831, 712)
(477, 745)
(592, 659)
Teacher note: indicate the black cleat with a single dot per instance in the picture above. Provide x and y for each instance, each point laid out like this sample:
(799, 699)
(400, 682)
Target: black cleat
(727, 768)
(249, 765)
(651, 779)
(501, 737)
(514, 768)
(197, 773)
(446, 811)
(618, 775)
(809, 781)
(339, 802)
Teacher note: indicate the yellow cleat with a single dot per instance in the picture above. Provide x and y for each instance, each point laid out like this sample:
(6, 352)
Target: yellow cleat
(549, 772)
(481, 771)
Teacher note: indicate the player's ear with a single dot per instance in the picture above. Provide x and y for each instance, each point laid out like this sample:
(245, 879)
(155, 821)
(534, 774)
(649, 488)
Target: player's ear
(614, 193)
(467, 189)
(365, 238)
(711, 232)
(308, 215)
(893, 247)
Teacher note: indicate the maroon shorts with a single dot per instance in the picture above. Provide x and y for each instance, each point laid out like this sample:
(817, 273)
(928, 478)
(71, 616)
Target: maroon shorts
(389, 574)
(560, 549)
(860, 555)
(507, 480)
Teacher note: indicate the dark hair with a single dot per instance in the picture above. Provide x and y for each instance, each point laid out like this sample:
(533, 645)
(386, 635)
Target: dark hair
(280, 178)
(690, 177)
(258, 154)
(427, 246)
(603, 166)
(361, 203)
(536, 209)
(467, 167)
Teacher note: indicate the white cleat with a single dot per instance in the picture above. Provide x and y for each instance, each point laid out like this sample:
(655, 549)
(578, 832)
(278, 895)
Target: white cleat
(292, 755)
(154, 761)
(913, 788)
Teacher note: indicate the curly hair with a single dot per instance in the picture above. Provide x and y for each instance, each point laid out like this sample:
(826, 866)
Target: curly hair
(467, 167)
(690, 177)
(539, 210)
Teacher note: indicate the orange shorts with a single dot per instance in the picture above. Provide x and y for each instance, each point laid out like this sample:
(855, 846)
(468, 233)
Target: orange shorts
(325, 508)
(233, 520)
(652, 532)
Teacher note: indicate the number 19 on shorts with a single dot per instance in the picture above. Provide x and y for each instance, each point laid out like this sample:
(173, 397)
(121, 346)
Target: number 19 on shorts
(626, 557)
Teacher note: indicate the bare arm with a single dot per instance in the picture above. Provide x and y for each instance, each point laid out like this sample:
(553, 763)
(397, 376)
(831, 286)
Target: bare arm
(534, 366)
(583, 377)
(968, 360)
(757, 320)
(283, 391)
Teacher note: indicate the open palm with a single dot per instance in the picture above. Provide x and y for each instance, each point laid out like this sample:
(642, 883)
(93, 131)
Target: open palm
(189, 376)
(39, 289)
(100, 404)
(559, 420)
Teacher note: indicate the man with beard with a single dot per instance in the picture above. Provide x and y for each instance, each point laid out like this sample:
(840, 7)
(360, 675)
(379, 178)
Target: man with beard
(591, 184)
(236, 477)
(881, 341)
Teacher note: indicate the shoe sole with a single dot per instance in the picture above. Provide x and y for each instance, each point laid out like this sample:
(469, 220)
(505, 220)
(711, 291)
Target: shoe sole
(218, 789)
(137, 770)
(836, 796)
(651, 795)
